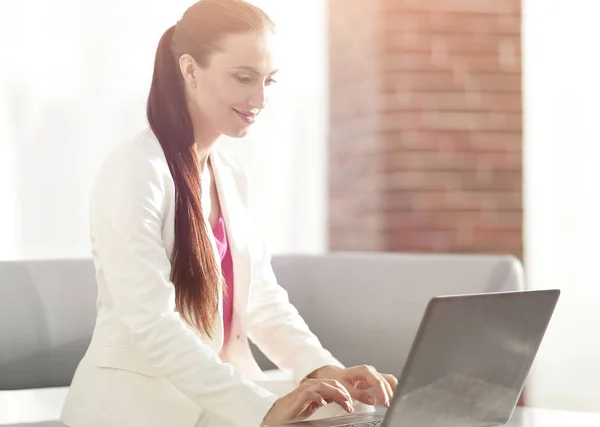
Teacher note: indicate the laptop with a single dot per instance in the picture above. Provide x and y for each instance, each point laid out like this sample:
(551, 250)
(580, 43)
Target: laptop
(468, 362)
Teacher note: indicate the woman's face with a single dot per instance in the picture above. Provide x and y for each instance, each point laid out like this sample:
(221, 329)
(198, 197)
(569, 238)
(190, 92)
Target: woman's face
(226, 96)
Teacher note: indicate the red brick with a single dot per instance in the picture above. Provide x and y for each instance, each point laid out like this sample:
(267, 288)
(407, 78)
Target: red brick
(453, 80)
(482, 200)
(422, 180)
(450, 44)
(450, 101)
(497, 141)
(432, 140)
(428, 21)
(451, 121)
(405, 160)
(493, 164)
(475, 63)
(469, 6)
(436, 241)
(419, 200)
(484, 222)
(441, 199)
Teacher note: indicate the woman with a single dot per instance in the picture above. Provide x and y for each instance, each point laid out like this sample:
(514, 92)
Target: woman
(183, 279)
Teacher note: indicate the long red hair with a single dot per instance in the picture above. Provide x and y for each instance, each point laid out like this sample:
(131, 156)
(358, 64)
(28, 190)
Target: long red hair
(194, 270)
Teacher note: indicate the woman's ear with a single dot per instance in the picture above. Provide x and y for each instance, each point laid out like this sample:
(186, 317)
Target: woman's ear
(189, 69)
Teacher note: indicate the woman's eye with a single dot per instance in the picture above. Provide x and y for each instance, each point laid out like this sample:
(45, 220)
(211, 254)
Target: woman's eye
(271, 81)
(244, 79)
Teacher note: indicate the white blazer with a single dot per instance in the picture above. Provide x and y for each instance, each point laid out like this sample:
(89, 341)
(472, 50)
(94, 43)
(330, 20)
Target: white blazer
(145, 365)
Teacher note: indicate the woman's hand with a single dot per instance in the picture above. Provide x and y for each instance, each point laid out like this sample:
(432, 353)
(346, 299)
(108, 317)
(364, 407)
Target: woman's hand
(304, 401)
(358, 379)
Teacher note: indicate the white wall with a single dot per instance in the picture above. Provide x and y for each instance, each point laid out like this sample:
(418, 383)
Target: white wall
(562, 196)
(73, 83)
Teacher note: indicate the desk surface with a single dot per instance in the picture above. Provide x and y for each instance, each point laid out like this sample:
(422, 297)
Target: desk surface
(27, 408)
(534, 417)
(537, 417)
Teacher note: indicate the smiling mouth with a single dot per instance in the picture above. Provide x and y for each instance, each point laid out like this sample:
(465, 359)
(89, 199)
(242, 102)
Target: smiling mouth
(246, 117)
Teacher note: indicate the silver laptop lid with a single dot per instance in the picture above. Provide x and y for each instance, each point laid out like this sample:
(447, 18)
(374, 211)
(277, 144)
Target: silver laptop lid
(470, 359)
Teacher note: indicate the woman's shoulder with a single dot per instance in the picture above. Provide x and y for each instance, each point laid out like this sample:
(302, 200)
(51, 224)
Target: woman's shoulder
(140, 155)
(135, 168)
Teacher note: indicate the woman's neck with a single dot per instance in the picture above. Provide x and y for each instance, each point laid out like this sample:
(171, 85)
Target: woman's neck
(204, 137)
(204, 144)
(203, 154)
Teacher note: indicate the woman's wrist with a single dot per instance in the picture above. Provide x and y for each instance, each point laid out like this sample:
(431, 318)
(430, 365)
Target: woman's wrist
(324, 372)
(264, 423)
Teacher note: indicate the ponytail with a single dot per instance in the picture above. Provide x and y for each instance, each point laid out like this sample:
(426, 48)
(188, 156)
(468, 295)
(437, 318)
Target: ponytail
(193, 267)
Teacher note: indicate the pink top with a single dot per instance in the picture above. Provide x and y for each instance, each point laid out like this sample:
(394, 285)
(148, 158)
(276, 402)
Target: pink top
(227, 268)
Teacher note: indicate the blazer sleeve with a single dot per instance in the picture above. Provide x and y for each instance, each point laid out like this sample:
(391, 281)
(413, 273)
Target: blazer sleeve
(272, 322)
(277, 328)
(127, 209)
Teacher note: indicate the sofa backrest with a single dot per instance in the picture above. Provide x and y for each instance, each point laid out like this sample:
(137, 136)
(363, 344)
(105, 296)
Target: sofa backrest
(365, 307)
(47, 314)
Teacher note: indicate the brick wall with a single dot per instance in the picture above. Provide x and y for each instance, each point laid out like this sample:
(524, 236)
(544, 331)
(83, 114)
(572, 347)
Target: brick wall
(426, 126)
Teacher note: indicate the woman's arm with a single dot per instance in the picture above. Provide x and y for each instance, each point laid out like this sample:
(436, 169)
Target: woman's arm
(275, 325)
(127, 209)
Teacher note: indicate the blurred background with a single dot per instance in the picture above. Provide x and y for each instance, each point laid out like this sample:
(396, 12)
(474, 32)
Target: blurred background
(446, 126)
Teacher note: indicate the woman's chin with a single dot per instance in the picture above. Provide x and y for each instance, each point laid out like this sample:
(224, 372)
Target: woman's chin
(239, 132)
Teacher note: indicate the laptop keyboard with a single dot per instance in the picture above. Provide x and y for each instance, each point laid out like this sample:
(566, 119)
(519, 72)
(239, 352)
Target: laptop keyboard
(369, 424)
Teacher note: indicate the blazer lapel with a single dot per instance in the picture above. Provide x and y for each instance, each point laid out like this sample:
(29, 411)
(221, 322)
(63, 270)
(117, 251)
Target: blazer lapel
(234, 214)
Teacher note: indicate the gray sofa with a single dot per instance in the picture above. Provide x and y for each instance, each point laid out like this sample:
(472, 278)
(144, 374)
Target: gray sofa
(365, 308)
